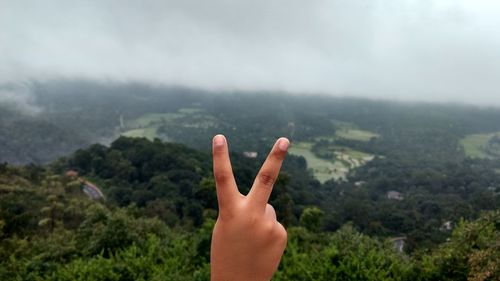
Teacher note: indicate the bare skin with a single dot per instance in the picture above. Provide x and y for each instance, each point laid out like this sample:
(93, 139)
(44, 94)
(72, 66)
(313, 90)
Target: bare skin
(247, 241)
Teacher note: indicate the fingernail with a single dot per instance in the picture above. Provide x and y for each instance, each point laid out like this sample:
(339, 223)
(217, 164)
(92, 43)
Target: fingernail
(283, 144)
(219, 140)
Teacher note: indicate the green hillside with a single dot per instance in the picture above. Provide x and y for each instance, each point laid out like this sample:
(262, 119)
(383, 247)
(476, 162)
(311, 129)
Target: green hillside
(159, 211)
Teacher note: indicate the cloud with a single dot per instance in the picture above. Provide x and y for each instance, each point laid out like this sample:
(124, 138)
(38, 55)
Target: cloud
(409, 49)
(18, 97)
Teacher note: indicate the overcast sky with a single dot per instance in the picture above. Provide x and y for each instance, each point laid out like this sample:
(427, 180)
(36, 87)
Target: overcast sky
(428, 50)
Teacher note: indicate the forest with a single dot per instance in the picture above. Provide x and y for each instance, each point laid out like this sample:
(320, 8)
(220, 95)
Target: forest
(369, 174)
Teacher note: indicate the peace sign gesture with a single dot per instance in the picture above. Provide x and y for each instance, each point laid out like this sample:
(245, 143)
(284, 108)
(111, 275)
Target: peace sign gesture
(247, 241)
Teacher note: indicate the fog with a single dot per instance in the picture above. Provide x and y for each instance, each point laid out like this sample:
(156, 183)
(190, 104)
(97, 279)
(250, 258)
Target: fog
(19, 97)
(405, 50)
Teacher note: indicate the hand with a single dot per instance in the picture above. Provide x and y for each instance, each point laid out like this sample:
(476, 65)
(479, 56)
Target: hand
(247, 241)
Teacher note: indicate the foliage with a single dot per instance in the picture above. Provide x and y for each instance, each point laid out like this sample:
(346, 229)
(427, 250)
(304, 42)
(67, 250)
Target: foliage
(102, 241)
(312, 219)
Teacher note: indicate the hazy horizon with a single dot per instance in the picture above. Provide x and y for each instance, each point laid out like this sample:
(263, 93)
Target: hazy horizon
(425, 51)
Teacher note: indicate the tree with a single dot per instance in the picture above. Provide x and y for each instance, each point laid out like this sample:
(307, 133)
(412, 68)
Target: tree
(312, 218)
(473, 252)
(52, 213)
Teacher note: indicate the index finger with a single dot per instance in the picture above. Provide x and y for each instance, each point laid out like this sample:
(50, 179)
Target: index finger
(223, 172)
(263, 184)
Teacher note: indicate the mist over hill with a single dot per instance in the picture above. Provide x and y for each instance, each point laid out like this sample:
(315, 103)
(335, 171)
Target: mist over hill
(443, 51)
(75, 113)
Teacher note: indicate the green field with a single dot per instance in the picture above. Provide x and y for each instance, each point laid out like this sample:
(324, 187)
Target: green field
(149, 133)
(333, 161)
(351, 132)
(152, 119)
(148, 124)
(190, 110)
(477, 146)
(348, 131)
(322, 169)
(343, 160)
(355, 134)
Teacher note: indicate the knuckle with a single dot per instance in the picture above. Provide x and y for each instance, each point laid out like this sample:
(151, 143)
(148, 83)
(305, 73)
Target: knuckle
(284, 235)
(266, 179)
(281, 233)
(218, 150)
(270, 208)
(222, 176)
(279, 155)
(269, 229)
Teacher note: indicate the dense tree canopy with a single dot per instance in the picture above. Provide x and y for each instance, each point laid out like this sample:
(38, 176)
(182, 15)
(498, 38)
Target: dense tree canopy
(91, 240)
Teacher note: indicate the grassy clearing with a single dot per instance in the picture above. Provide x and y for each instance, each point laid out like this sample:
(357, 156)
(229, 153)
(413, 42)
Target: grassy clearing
(477, 146)
(334, 161)
(152, 119)
(190, 110)
(149, 133)
(348, 131)
(330, 138)
(355, 134)
(350, 157)
(148, 124)
(322, 169)
(349, 134)
(343, 159)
